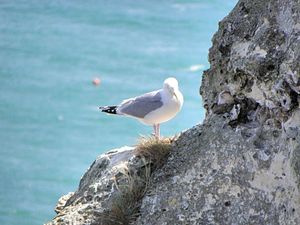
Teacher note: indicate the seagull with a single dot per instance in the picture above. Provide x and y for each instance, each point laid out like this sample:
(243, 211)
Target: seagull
(152, 108)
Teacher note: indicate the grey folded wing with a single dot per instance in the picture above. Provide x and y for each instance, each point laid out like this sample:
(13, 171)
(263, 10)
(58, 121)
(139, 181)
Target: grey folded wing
(142, 105)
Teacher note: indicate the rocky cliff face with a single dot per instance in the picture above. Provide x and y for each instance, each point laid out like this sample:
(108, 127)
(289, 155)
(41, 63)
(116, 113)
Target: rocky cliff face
(242, 166)
(255, 56)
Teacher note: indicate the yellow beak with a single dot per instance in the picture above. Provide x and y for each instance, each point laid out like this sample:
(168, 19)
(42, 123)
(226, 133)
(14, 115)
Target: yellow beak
(175, 96)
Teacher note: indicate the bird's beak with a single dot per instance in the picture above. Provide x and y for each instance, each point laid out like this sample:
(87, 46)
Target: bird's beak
(175, 95)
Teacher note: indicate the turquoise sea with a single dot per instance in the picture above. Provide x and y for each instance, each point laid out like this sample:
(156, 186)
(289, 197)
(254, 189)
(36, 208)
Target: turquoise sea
(50, 51)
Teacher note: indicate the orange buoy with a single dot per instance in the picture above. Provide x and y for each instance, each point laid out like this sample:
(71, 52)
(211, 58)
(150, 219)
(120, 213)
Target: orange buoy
(96, 81)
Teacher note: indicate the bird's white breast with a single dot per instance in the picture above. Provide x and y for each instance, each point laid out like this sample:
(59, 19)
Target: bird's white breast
(171, 106)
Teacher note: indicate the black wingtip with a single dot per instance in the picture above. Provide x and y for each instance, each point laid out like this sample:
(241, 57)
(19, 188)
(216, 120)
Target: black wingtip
(108, 109)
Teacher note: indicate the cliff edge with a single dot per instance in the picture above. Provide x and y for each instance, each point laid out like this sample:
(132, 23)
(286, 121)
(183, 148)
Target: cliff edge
(242, 166)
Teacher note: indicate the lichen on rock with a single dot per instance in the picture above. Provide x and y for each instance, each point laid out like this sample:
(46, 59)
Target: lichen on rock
(256, 55)
(217, 174)
(242, 165)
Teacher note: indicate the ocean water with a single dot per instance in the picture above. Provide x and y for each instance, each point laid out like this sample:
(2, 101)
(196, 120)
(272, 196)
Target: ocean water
(50, 51)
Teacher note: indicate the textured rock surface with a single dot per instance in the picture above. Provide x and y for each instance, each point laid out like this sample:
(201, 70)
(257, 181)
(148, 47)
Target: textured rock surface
(91, 203)
(242, 166)
(217, 174)
(256, 55)
(111, 190)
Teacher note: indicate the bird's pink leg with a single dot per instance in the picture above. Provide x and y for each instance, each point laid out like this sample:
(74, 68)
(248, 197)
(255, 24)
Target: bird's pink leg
(158, 131)
(155, 129)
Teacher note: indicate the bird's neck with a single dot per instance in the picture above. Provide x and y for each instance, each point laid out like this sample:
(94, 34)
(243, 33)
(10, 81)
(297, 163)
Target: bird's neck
(167, 93)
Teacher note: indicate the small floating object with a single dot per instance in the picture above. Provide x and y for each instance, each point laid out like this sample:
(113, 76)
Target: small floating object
(96, 81)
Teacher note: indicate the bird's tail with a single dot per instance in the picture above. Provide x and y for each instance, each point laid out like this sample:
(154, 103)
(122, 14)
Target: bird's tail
(109, 109)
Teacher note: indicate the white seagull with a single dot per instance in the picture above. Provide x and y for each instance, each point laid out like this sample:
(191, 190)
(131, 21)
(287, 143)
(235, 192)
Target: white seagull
(152, 108)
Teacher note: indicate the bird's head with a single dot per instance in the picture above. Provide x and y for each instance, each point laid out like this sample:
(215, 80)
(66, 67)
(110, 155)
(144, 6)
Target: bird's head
(171, 85)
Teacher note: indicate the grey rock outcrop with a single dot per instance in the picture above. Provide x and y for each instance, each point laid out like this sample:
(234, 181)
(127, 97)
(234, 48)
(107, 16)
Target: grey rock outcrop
(94, 195)
(111, 190)
(217, 174)
(242, 166)
(256, 55)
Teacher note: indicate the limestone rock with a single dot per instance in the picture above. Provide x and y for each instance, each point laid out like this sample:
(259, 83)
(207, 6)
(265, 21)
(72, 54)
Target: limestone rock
(256, 55)
(92, 202)
(242, 165)
(217, 174)
(62, 202)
